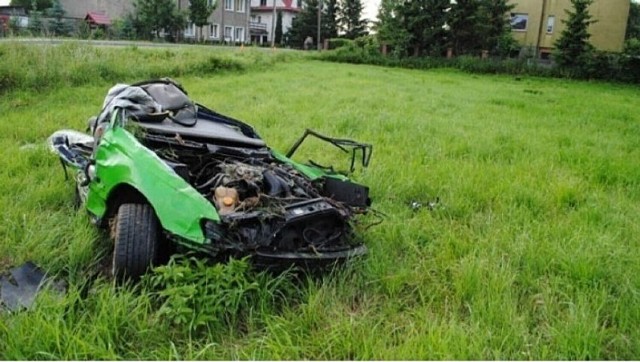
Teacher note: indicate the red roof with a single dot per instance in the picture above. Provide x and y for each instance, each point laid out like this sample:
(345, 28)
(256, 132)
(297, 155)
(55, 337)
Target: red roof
(97, 18)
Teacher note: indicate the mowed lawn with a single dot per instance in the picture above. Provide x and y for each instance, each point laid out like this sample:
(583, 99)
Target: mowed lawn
(530, 249)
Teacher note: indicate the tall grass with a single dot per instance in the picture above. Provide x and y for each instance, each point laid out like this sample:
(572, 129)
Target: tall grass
(530, 253)
(40, 68)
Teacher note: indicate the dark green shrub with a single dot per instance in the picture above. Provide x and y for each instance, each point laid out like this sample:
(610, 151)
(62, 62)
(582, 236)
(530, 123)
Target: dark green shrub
(336, 43)
(600, 65)
(194, 294)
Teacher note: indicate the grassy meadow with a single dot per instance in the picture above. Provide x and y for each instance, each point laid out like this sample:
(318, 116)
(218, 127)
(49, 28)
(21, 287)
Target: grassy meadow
(530, 252)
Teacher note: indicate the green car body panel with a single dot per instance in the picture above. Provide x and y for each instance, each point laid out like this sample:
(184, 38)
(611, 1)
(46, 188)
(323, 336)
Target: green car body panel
(313, 173)
(121, 159)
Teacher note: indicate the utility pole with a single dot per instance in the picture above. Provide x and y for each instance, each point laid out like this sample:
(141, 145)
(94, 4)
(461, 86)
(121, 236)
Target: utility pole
(319, 23)
(273, 26)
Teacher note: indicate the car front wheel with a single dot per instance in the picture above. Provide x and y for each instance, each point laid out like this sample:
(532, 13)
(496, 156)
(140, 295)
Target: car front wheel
(137, 241)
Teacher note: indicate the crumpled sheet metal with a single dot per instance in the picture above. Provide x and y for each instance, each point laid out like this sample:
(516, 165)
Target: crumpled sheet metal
(19, 289)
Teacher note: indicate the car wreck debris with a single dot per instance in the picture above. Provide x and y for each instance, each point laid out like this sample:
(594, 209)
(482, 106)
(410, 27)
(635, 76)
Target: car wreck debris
(159, 164)
(19, 289)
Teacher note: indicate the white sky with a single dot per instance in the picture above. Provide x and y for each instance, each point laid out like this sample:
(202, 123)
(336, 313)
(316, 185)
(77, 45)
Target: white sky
(370, 7)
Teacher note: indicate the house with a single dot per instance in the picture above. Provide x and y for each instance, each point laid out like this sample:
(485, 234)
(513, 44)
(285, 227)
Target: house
(10, 13)
(228, 23)
(262, 25)
(97, 11)
(539, 23)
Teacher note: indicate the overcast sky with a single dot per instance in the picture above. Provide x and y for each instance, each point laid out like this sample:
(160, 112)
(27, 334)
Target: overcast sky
(370, 7)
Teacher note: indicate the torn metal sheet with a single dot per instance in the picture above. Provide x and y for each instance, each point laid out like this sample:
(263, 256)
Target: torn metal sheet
(19, 289)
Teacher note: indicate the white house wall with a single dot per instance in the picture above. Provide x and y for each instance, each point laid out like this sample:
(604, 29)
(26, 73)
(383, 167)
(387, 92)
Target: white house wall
(262, 12)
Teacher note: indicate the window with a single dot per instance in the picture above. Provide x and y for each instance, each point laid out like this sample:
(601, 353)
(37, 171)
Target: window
(551, 21)
(214, 31)
(239, 35)
(228, 5)
(299, 3)
(228, 33)
(190, 30)
(240, 6)
(263, 2)
(211, 2)
(519, 21)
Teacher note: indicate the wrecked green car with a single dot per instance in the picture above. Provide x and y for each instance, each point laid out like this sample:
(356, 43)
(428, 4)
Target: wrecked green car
(161, 171)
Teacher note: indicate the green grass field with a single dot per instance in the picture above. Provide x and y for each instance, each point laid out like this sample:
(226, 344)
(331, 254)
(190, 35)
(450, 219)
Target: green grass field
(531, 252)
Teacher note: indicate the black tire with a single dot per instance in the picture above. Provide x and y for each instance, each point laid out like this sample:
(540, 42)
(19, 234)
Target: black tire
(137, 241)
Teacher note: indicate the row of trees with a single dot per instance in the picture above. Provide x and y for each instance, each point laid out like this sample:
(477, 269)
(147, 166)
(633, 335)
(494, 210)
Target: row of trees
(151, 17)
(148, 18)
(337, 17)
(52, 9)
(428, 27)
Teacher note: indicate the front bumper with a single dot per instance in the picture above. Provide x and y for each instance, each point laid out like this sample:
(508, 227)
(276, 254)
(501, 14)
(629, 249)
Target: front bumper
(306, 260)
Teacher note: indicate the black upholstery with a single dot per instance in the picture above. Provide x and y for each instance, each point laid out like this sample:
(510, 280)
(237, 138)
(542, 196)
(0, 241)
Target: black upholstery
(183, 117)
(204, 129)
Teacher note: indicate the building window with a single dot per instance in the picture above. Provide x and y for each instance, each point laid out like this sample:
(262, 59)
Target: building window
(239, 35)
(240, 6)
(214, 31)
(263, 2)
(551, 22)
(211, 2)
(228, 33)
(228, 5)
(519, 21)
(299, 3)
(190, 30)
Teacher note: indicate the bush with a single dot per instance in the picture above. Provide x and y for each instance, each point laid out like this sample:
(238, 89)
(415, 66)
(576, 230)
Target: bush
(83, 30)
(600, 65)
(98, 34)
(336, 43)
(197, 295)
(632, 47)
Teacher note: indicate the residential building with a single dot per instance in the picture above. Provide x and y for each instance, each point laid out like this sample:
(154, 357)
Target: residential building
(262, 25)
(539, 23)
(228, 23)
(112, 9)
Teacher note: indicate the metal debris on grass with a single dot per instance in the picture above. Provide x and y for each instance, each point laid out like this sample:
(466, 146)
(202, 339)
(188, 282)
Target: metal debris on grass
(19, 289)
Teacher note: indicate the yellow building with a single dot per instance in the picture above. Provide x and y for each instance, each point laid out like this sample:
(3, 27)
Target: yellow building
(539, 23)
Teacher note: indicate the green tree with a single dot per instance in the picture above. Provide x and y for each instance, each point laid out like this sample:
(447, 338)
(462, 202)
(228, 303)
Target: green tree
(304, 24)
(389, 30)
(278, 31)
(36, 26)
(57, 25)
(350, 19)
(199, 12)
(633, 23)
(134, 28)
(40, 5)
(573, 50)
(330, 13)
(496, 28)
(424, 21)
(465, 24)
(157, 15)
